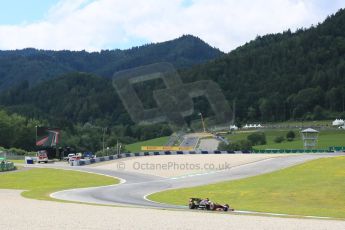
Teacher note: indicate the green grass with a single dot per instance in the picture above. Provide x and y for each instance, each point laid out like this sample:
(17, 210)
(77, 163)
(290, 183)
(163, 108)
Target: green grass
(326, 139)
(314, 188)
(304, 123)
(136, 147)
(39, 183)
(18, 161)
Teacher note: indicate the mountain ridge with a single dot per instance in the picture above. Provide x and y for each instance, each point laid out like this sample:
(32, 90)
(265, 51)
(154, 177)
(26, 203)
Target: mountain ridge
(277, 77)
(299, 76)
(284, 76)
(36, 66)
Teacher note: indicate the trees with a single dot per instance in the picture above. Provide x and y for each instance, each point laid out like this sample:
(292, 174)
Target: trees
(257, 138)
(306, 101)
(266, 108)
(275, 77)
(286, 75)
(252, 113)
(290, 135)
(17, 131)
(236, 146)
(279, 139)
(318, 113)
(36, 66)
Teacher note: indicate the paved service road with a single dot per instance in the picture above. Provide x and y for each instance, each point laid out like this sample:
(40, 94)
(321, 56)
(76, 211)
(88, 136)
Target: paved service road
(209, 144)
(137, 186)
(190, 141)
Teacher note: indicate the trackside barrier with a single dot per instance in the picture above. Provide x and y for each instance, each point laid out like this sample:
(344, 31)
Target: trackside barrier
(137, 154)
(292, 150)
(125, 155)
(337, 148)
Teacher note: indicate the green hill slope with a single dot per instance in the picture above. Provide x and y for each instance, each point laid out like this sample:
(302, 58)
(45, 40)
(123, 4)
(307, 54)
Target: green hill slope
(35, 66)
(297, 75)
(314, 188)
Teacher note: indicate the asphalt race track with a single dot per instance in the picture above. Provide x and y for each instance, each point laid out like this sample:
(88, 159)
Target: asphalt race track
(190, 141)
(136, 187)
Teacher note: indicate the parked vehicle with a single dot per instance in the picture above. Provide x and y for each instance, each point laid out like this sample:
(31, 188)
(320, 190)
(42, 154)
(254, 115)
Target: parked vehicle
(71, 157)
(42, 156)
(88, 155)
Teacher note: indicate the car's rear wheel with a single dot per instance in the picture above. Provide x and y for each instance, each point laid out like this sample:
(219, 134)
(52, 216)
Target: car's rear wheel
(226, 208)
(191, 206)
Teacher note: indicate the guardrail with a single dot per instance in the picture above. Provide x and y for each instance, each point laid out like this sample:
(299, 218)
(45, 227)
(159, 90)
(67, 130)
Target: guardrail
(125, 155)
(291, 151)
(337, 148)
(330, 149)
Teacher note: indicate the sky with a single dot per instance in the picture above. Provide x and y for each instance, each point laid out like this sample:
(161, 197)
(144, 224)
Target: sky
(95, 25)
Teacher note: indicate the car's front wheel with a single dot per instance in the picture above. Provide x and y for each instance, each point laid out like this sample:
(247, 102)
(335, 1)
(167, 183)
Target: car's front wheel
(211, 207)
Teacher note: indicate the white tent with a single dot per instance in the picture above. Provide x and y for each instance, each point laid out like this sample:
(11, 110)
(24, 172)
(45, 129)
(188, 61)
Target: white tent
(233, 127)
(252, 126)
(338, 122)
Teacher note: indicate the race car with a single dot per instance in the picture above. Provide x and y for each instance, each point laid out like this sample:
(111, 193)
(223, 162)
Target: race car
(206, 204)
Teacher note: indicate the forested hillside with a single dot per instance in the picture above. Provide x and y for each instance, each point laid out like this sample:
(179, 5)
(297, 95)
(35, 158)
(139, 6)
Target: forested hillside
(17, 131)
(285, 76)
(70, 99)
(81, 104)
(276, 77)
(35, 66)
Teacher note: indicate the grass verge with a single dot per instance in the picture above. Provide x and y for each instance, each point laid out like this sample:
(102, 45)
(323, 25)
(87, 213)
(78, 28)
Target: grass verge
(326, 139)
(315, 188)
(136, 147)
(18, 161)
(40, 183)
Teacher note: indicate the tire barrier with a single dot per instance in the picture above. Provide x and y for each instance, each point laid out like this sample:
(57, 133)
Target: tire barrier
(142, 154)
(139, 154)
(292, 151)
(337, 148)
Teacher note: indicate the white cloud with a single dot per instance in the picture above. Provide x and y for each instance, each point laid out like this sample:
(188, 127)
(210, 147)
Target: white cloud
(108, 24)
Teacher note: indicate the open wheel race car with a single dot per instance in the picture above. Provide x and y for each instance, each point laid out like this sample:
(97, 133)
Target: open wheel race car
(206, 204)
